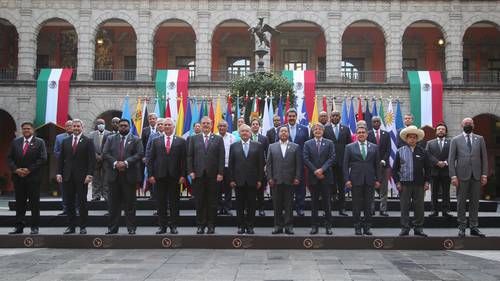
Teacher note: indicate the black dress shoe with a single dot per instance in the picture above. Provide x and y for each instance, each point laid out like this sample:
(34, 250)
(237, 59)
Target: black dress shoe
(262, 213)
(173, 230)
(419, 232)
(250, 230)
(17, 231)
(277, 230)
(210, 230)
(328, 231)
(131, 231)
(357, 231)
(300, 213)
(342, 213)
(384, 214)
(109, 232)
(314, 230)
(200, 230)
(475, 232)
(404, 232)
(433, 215)
(162, 230)
(289, 231)
(367, 231)
(241, 230)
(63, 213)
(83, 230)
(461, 232)
(69, 230)
(34, 231)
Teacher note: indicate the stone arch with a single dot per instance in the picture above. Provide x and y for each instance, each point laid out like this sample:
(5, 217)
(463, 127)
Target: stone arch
(182, 16)
(479, 18)
(95, 23)
(377, 20)
(50, 15)
(10, 17)
(221, 18)
(314, 19)
(108, 115)
(432, 18)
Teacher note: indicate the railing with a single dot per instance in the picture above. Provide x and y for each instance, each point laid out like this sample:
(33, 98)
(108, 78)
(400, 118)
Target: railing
(225, 75)
(363, 76)
(114, 74)
(37, 73)
(481, 77)
(444, 76)
(8, 73)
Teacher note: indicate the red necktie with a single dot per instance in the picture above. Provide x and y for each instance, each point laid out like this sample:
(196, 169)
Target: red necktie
(75, 138)
(25, 148)
(168, 145)
(122, 148)
(206, 141)
(378, 137)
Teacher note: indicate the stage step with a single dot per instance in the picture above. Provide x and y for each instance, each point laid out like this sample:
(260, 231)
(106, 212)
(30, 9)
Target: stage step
(188, 204)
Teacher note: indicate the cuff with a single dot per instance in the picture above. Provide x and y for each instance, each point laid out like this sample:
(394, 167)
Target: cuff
(114, 164)
(126, 163)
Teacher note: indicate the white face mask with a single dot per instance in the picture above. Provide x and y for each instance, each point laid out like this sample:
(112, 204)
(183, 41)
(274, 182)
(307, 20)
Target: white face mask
(100, 127)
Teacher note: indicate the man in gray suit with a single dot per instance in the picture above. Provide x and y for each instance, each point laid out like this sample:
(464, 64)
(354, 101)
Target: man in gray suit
(361, 174)
(468, 168)
(284, 171)
(99, 185)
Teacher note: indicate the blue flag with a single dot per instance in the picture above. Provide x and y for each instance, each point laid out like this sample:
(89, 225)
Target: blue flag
(194, 117)
(345, 117)
(304, 120)
(187, 121)
(157, 109)
(368, 115)
(201, 110)
(399, 117)
(352, 118)
(374, 108)
(280, 110)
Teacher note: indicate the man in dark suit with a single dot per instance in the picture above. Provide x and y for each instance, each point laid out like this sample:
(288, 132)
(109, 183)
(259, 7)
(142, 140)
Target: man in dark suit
(361, 173)
(468, 170)
(166, 169)
(26, 156)
(225, 195)
(284, 172)
(123, 154)
(99, 185)
(383, 140)
(322, 119)
(68, 126)
(256, 136)
(114, 125)
(246, 169)
(145, 137)
(272, 134)
(440, 178)
(341, 136)
(298, 134)
(319, 157)
(205, 164)
(75, 170)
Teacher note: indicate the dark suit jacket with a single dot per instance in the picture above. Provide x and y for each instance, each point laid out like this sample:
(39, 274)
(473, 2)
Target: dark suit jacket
(384, 146)
(246, 170)
(265, 144)
(340, 143)
(146, 132)
(440, 155)
(79, 164)
(283, 170)
(272, 136)
(210, 160)
(324, 159)
(172, 165)
(422, 163)
(134, 152)
(35, 157)
(361, 172)
(301, 134)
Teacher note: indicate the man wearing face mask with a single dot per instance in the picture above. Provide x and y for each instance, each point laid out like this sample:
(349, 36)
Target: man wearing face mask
(468, 168)
(99, 185)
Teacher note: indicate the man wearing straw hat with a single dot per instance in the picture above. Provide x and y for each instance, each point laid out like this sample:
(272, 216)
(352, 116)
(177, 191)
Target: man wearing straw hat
(412, 169)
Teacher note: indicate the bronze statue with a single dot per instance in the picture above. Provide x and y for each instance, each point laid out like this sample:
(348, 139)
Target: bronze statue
(259, 31)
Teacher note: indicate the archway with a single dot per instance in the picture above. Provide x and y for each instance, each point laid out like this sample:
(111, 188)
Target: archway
(8, 50)
(488, 126)
(7, 134)
(108, 116)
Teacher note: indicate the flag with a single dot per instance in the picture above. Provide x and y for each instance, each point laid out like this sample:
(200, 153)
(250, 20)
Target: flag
(280, 110)
(374, 108)
(172, 83)
(255, 108)
(167, 109)
(229, 114)
(315, 113)
(126, 110)
(399, 117)
(426, 97)
(187, 121)
(360, 111)
(217, 116)
(271, 114)
(303, 118)
(137, 120)
(304, 85)
(202, 110)
(52, 96)
(391, 129)
(287, 107)
(145, 114)
(195, 117)
(352, 121)
(179, 127)
(265, 117)
(334, 107)
(382, 114)
(211, 113)
(205, 108)
(325, 106)
(368, 115)
(345, 116)
(157, 108)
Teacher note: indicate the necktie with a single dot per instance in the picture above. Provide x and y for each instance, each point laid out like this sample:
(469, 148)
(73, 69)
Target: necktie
(469, 144)
(168, 145)
(25, 148)
(363, 151)
(75, 138)
(100, 139)
(440, 144)
(292, 133)
(378, 137)
(245, 149)
(254, 137)
(206, 141)
(122, 148)
(336, 131)
(318, 145)
(276, 137)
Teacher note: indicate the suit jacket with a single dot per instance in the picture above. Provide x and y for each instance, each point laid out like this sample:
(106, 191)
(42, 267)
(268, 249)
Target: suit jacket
(464, 164)
(283, 170)
(58, 142)
(79, 164)
(171, 165)
(265, 144)
(361, 172)
(210, 160)
(440, 155)
(422, 162)
(132, 155)
(272, 136)
(94, 136)
(146, 132)
(301, 134)
(384, 146)
(340, 142)
(35, 157)
(246, 170)
(147, 149)
(323, 159)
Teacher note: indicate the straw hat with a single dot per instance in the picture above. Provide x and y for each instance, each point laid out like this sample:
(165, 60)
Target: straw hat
(412, 130)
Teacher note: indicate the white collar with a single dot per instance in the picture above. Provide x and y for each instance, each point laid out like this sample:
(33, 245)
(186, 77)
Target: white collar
(320, 140)
(29, 139)
(465, 135)
(207, 135)
(77, 136)
(283, 143)
(245, 142)
(365, 143)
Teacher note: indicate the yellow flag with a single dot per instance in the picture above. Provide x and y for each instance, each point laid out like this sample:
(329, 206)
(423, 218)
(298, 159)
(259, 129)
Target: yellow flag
(138, 117)
(217, 117)
(315, 116)
(180, 120)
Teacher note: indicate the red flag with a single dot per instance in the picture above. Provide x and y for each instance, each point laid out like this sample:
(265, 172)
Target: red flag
(229, 114)
(211, 114)
(325, 106)
(287, 107)
(360, 110)
(167, 110)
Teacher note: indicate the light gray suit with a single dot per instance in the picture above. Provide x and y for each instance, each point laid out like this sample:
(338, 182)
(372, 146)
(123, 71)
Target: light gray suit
(468, 166)
(99, 184)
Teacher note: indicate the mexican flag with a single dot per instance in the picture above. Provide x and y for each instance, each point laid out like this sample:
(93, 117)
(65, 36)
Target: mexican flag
(171, 84)
(426, 97)
(304, 86)
(52, 96)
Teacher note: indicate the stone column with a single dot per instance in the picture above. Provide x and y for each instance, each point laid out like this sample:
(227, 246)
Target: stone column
(454, 50)
(333, 47)
(86, 46)
(27, 45)
(394, 46)
(144, 47)
(203, 47)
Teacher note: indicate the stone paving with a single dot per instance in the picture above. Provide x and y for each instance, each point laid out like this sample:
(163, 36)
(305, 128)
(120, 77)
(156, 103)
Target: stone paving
(251, 265)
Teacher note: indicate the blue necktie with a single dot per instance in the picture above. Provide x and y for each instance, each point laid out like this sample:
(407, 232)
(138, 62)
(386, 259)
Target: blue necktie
(245, 149)
(292, 133)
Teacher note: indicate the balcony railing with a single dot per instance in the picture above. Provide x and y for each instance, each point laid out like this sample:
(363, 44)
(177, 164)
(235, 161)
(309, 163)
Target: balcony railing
(482, 77)
(8, 73)
(225, 75)
(363, 76)
(114, 74)
(444, 76)
(37, 73)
